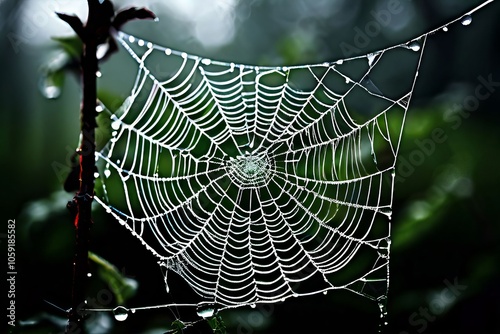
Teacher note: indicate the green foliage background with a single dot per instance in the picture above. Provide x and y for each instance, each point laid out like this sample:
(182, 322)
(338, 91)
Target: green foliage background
(446, 226)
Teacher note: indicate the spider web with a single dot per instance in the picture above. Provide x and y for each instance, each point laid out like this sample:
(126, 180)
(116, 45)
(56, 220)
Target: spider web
(256, 184)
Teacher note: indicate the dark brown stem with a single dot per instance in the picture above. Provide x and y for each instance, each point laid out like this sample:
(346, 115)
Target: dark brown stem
(85, 195)
(96, 31)
(83, 220)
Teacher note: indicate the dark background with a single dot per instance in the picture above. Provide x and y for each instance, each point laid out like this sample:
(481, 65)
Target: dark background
(445, 229)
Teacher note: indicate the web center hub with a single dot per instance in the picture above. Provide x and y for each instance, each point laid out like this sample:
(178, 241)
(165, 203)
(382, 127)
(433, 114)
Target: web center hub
(250, 170)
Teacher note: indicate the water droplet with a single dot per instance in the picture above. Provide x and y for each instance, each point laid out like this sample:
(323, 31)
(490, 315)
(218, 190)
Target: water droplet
(168, 52)
(96, 175)
(325, 292)
(371, 58)
(156, 19)
(253, 305)
(415, 46)
(386, 211)
(99, 108)
(120, 313)
(466, 20)
(131, 39)
(107, 173)
(232, 67)
(205, 310)
(140, 42)
(206, 61)
(51, 91)
(89, 274)
(326, 64)
(347, 80)
(115, 125)
(108, 210)
(184, 55)
(149, 45)
(284, 68)
(340, 62)
(133, 310)
(445, 29)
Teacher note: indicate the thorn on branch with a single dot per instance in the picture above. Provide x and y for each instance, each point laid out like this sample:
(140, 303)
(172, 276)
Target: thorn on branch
(130, 14)
(74, 23)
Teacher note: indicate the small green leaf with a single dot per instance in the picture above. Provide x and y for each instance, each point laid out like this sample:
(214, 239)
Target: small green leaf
(72, 45)
(122, 287)
(217, 325)
(178, 326)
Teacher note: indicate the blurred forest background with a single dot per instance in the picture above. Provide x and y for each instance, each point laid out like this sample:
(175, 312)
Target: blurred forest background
(446, 230)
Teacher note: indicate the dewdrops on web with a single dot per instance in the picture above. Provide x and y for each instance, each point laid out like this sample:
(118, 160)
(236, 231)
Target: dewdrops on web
(120, 313)
(466, 20)
(99, 107)
(215, 164)
(414, 46)
(116, 123)
(205, 310)
(203, 134)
